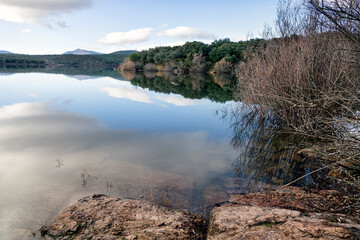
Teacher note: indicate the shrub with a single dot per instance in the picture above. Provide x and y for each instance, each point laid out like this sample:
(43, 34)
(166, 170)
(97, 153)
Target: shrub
(309, 84)
(128, 66)
(169, 67)
(223, 67)
(150, 67)
(198, 64)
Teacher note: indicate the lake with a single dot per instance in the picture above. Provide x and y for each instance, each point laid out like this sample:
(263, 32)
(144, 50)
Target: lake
(174, 141)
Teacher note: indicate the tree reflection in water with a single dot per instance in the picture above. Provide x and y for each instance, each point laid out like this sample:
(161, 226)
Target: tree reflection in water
(266, 155)
(193, 86)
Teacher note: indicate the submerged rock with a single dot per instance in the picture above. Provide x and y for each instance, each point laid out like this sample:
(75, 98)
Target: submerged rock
(103, 217)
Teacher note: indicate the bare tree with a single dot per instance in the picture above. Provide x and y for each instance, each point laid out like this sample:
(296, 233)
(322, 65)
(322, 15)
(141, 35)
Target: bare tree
(309, 84)
(150, 67)
(289, 19)
(127, 66)
(223, 66)
(340, 15)
(198, 64)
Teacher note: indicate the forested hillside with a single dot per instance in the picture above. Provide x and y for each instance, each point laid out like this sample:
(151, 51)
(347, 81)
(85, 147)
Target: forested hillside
(83, 61)
(219, 56)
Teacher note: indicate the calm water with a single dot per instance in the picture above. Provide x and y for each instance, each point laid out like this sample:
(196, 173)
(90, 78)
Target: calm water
(64, 137)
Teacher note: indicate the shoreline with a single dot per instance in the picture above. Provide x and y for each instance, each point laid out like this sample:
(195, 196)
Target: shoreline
(282, 213)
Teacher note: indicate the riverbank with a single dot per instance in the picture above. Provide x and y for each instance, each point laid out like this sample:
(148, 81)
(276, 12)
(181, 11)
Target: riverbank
(281, 213)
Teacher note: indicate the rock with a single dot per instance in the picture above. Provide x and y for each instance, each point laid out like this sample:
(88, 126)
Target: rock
(285, 213)
(281, 213)
(214, 194)
(233, 221)
(294, 198)
(103, 217)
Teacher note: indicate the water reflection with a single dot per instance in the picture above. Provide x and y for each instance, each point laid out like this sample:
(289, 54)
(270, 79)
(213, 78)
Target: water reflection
(194, 86)
(152, 138)
(265, 154)
(77, 73)
(50, 157)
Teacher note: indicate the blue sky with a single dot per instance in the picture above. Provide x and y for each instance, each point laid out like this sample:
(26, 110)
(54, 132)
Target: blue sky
(56, 26)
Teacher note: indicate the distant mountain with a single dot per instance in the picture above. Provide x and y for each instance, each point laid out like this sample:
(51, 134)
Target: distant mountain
(5, 52)
(81, 52)
(125, 52)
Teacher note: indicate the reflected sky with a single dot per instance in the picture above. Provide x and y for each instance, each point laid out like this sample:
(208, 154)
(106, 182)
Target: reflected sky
(114, 103)
(61, 138)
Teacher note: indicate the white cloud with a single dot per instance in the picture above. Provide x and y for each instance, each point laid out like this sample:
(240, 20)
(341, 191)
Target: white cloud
(177, 100)
(23, 110)
(28, 30)
(33, 95)
(186, 32)
(29, 147)
(165, 25)
(133, 36)
(128, 92)
(39, 12)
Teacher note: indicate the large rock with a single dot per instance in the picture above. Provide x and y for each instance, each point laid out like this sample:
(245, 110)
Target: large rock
(234, 221)
(103, 217)
(285, 213)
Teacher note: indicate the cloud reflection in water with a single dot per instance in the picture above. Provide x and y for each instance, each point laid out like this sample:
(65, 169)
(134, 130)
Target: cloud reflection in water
(119, 162)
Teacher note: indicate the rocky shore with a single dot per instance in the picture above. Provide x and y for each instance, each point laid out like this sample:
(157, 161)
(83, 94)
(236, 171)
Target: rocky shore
(283, 213)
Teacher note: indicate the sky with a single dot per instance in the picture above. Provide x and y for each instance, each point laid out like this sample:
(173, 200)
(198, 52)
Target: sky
(57, 26)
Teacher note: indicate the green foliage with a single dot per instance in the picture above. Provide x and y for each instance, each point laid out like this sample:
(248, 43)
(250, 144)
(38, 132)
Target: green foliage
(89, 71)
(25, 61)
(189, 86)
(232, 52)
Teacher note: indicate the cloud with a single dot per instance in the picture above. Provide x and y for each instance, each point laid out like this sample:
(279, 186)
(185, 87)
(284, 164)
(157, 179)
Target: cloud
(39, 12)
(30, 145)
(129, 92)
(23, 110)
(133, 36)
(28, 30)
(186, 32)
(177, 100)
(126, 92)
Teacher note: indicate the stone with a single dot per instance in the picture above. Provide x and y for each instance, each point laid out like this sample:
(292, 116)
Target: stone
(103, 217)
(236, 221)
(285, 213)
(294, 198)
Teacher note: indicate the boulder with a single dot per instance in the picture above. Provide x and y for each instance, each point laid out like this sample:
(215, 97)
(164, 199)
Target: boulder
(103, 217)
(286, 213)
(233, 221)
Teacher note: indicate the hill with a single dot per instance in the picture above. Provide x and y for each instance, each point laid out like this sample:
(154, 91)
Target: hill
(81, 52)
(124, 52)
(93, 61)
(5, 52)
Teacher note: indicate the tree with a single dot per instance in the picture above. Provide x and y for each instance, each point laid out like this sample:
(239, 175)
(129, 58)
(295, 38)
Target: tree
(309, 84)
(340, 15)
(198, 64)
(223, 66)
